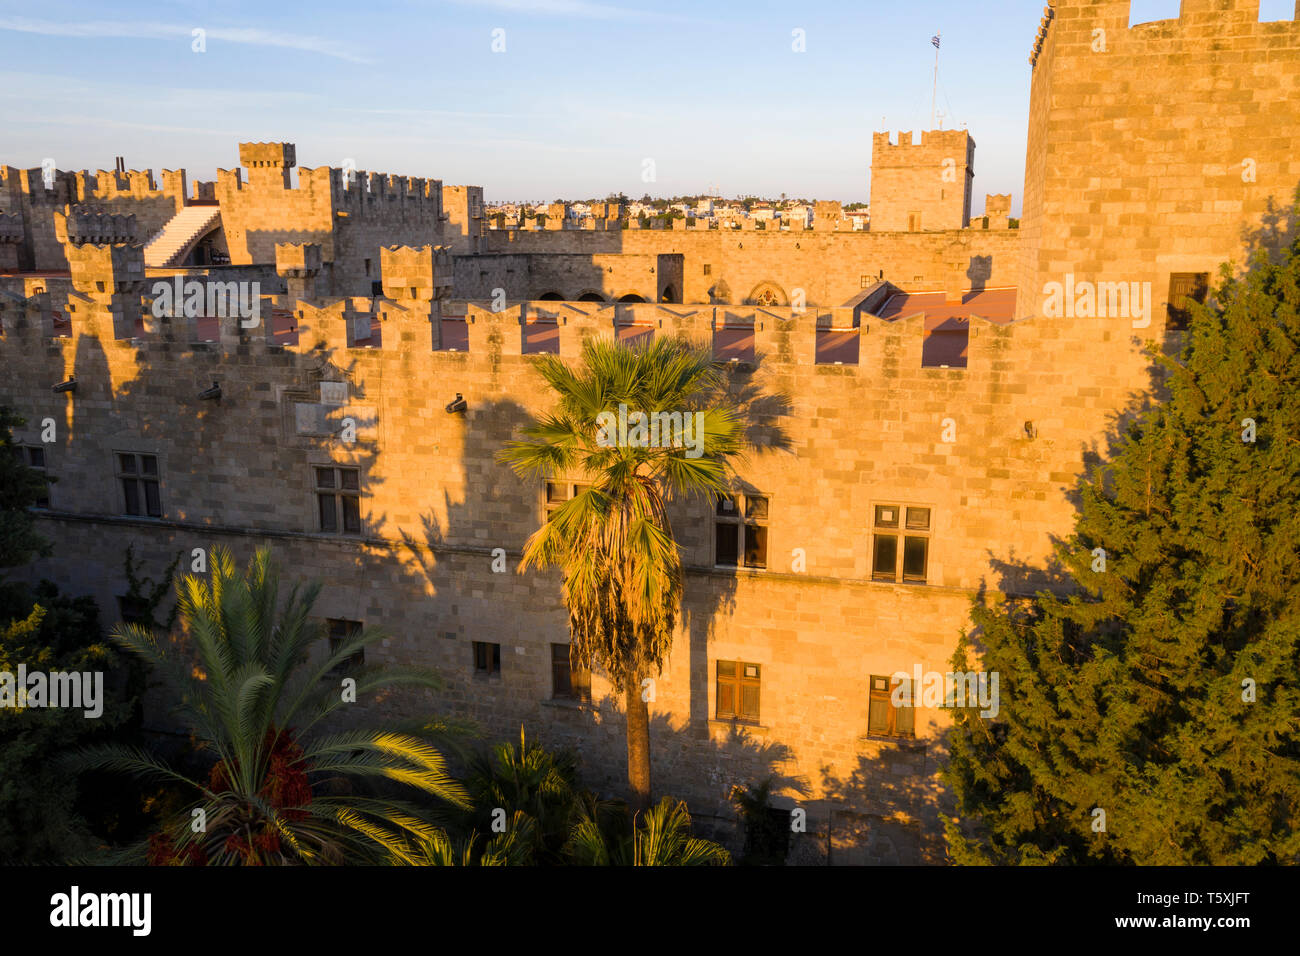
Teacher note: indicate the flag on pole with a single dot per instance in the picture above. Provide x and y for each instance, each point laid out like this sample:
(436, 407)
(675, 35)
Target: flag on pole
(935, 41)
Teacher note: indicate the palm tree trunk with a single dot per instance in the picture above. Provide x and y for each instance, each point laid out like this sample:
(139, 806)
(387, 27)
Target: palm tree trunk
(638, 748)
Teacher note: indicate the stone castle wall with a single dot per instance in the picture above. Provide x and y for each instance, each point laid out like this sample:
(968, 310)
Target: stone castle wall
(1122, 183)
(732, 267)
(437, 502)
(133, 193)
(1161, 148)
(350, 220)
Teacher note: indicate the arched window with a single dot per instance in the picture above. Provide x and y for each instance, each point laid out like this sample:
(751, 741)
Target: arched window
(631, 297)
(591, 297)
(766, 293)
(550, 297)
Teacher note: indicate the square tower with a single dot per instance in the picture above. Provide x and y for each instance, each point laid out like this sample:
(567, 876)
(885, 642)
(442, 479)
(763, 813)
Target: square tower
(922, 187)
(268, 163)
(1135, 176)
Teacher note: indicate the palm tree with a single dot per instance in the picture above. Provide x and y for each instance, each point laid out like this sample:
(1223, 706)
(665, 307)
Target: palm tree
(277, 792)
(515, 846)
(613, 543)
(532, 781)
(660, 837)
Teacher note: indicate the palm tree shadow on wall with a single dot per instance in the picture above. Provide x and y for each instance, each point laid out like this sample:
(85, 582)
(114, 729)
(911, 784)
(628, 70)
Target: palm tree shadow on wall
(710, 592)
(457, 564)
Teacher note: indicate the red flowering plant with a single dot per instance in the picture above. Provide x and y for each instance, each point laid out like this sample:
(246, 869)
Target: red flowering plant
(259, 679)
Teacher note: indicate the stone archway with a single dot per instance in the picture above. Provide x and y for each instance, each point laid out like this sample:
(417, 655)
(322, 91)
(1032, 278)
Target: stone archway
(550, 297)
(631, 297)
(669, 294)
(590, 296)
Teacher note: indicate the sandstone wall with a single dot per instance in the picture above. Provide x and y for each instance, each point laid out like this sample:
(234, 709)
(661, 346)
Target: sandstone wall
(735, 266)
(1157, 149)
(437, 502)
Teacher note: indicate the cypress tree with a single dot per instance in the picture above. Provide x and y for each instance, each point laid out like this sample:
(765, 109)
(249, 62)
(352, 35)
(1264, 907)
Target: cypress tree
(1150, 709)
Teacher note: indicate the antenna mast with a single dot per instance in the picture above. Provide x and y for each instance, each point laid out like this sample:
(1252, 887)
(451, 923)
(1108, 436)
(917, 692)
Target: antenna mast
(935, 92)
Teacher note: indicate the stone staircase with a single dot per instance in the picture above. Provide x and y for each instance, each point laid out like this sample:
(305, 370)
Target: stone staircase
(174, 242)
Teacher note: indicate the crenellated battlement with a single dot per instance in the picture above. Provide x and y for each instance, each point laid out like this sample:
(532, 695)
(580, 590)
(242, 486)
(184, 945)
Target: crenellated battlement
(27, 186)
(268, 155)
(109, 279)
(80, 225)
(131, 183)
(104, 269)
(421, 274)
(903, 144)
(1045, 24)
(297, 258)
(1198, 22)
(411, 195)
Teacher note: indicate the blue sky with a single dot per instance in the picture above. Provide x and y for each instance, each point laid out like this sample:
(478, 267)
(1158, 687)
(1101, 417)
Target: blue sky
(583, 93)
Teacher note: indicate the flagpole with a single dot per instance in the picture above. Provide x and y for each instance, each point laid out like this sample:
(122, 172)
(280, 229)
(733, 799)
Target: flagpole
(935, 92)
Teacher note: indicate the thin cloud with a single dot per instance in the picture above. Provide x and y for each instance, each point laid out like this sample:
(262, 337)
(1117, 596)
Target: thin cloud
(163, 31)
(578, 9)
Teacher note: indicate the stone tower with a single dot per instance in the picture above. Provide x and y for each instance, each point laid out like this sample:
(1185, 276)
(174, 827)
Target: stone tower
(268, 163)
(1155, 151)
(921, 187)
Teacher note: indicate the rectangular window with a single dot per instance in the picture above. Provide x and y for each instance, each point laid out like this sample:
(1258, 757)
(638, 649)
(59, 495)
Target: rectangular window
(559, 492)
(738, 691)
(487, 659)
(33, 456)
(340, 632)
(740, 531)
(338, 499)
(708, 269)
(906, 560)
(568, 682)
(1184, 289)
(883, 718)
(138, 475)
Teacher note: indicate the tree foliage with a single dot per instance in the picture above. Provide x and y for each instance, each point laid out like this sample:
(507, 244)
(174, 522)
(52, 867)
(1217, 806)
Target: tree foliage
(46, 631)
(1161, 691)
(613, 542)
(255, 691)
(20, 488)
